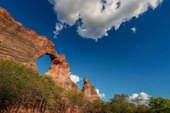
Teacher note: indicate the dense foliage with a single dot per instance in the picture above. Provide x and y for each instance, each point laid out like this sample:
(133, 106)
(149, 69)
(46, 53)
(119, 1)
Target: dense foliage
(21, 88)
(120, 104)
(159, 105)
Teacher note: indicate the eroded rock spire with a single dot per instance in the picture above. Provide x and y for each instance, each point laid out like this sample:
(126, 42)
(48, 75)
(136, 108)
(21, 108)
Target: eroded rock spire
(90, 91)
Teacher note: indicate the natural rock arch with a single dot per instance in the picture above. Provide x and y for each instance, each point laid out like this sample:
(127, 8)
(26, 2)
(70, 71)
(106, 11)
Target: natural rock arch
(25, 46)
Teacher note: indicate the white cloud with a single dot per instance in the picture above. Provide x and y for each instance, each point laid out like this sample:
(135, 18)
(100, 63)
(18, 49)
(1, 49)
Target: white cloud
(75, 78)
(101, 95)
(58, 28)
(98, 17)
(133, 29)
(140, 99)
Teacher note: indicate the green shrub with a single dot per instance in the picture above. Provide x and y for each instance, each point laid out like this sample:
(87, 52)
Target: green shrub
(23, 87)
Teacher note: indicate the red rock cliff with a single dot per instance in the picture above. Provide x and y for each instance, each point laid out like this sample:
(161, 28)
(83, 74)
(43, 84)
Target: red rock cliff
(26, 46)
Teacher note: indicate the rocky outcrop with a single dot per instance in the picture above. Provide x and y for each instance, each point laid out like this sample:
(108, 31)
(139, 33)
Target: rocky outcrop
(26, 46)
(90, 91)
(21, 44)
(59, 71)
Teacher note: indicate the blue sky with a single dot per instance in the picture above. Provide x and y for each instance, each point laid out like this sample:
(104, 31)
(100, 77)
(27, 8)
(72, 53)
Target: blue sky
(122, 62)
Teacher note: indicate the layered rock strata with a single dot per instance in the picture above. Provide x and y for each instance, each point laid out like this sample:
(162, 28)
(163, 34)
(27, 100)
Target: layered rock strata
(25, 46)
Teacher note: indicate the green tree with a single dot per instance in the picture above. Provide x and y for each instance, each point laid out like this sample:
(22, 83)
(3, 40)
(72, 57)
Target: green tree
(22, 88)
(159, 105)
(120, 104)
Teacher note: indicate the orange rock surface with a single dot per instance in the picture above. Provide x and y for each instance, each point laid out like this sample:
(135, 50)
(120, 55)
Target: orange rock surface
(25, 46)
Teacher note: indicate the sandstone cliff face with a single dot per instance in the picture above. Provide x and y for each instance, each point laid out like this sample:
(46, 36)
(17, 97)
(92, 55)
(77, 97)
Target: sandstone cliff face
(26, 46)
(90, 91)
(21, 44)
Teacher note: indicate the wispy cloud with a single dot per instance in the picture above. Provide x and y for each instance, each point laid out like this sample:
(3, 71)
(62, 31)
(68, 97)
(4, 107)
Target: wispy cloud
(58, 28)
(133, 29)
(99, 16)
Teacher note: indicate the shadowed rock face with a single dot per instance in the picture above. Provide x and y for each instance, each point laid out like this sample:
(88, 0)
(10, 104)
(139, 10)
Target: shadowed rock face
(90, 91)
(26, 46)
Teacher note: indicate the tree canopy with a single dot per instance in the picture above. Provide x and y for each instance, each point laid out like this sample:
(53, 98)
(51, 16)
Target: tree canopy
(21, 88)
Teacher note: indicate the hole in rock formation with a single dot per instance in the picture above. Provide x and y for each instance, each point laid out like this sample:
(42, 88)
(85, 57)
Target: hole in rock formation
(43, 64)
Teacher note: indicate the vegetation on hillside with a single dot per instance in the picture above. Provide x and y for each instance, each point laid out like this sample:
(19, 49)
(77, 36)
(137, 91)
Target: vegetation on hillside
(21, 88)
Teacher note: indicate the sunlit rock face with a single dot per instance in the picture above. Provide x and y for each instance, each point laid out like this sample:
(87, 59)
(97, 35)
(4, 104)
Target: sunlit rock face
(59, 71)
(90, 91)
(21, 44)
(25, 46)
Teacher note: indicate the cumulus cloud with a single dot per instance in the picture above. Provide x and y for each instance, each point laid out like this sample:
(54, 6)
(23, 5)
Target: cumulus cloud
(97, 17)
(133, 29)
(75, 78)
(101, 95)
(140, 99)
